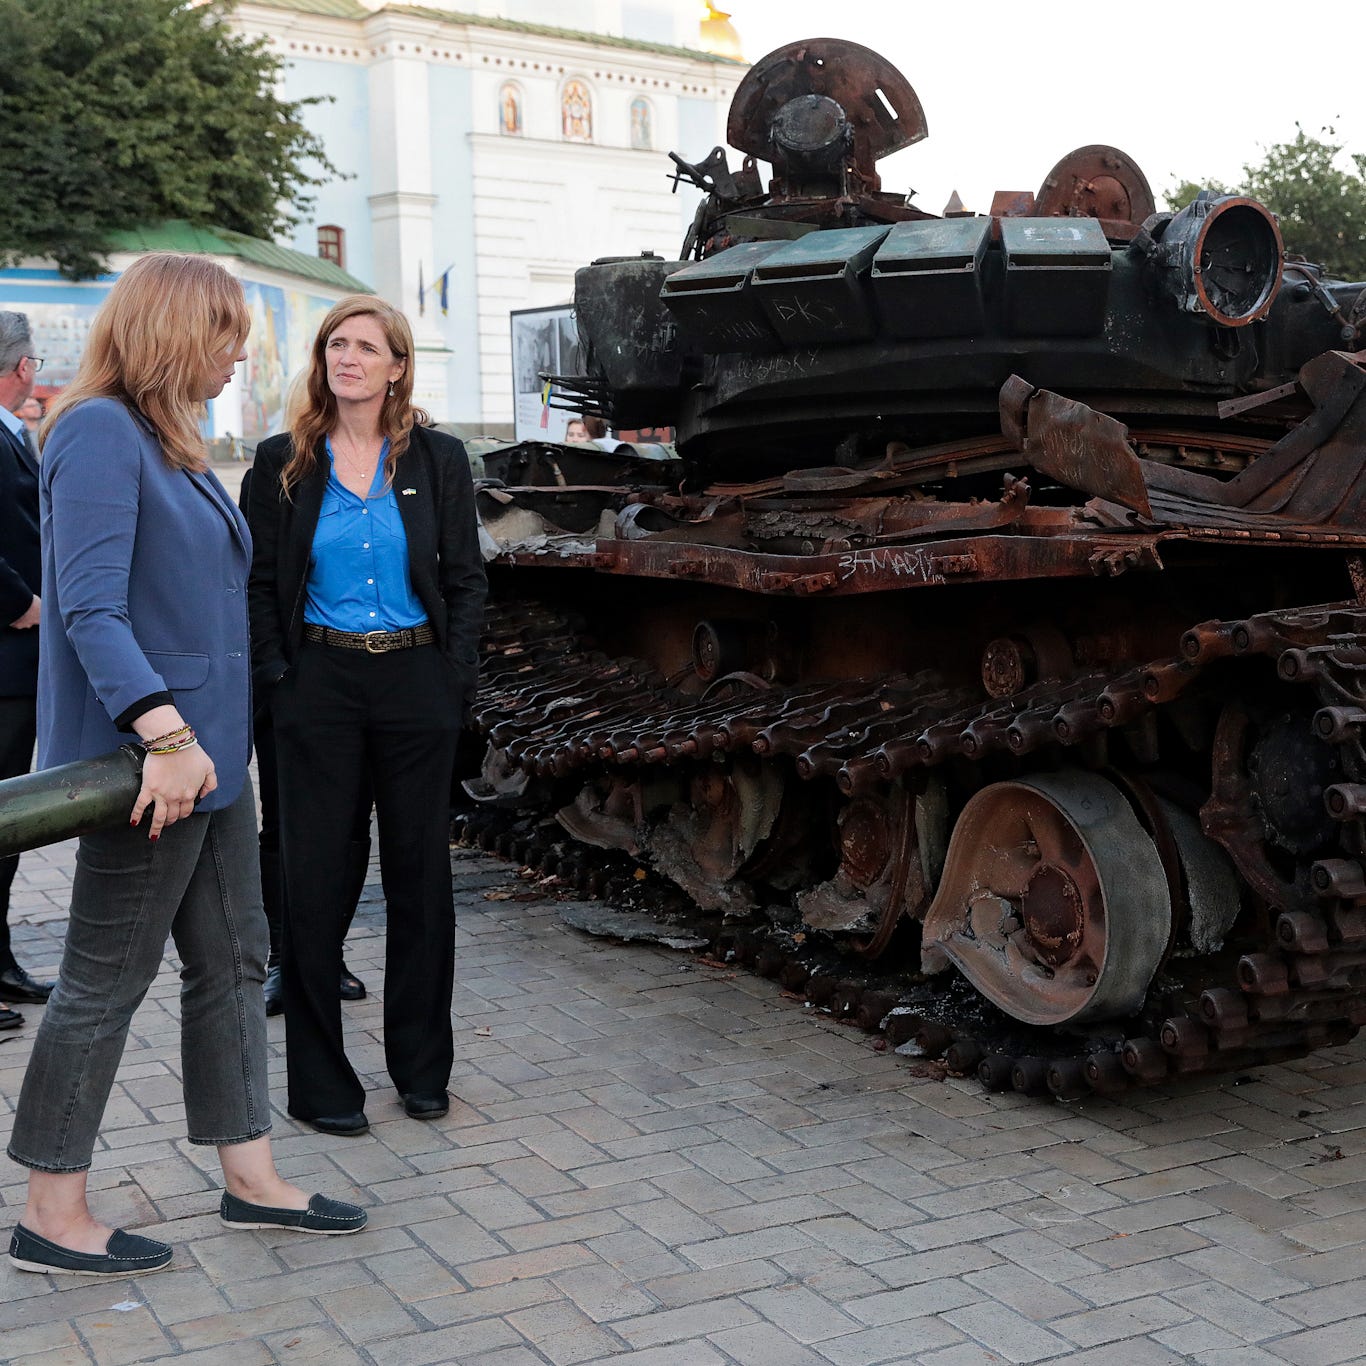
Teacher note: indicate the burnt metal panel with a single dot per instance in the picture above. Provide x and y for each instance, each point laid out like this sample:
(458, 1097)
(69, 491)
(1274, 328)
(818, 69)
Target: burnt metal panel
(713, 304)
(631, 334)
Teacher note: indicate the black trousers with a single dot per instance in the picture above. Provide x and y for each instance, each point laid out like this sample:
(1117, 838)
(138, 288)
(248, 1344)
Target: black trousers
(18, 730)
(272, 869)
(347, 722)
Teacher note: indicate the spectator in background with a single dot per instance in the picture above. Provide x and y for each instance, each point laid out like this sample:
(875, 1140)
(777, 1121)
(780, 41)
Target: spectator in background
(31, 412)
(598, 434)
(20, 606)
(590, 431)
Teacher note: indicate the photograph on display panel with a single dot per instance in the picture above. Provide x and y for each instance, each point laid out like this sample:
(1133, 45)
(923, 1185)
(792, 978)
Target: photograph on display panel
(545, 341)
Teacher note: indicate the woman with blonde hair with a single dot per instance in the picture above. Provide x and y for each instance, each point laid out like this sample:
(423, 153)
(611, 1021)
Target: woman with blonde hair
(145, 561)
(367, 595)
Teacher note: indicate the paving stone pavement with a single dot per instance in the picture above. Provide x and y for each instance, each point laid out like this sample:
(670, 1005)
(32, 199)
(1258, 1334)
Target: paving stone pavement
(653, 1160)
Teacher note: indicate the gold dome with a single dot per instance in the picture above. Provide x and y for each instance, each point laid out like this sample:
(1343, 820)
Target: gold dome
(718, 34)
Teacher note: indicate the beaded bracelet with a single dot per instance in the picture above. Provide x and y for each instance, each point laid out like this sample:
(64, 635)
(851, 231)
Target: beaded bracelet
(171, 735)
(189, 742)
(175, 749)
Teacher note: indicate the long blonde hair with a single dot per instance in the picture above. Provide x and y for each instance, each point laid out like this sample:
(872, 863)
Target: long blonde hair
(314, 414)
(161, 334)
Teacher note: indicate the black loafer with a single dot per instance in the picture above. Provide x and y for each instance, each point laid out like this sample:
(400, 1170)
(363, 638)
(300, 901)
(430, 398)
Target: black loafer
(348, 1126)
(10, 1019)
(17, 985)
(351, 987)
(321, 1216)
(275, 991)
(125, 1254)
(426, 1104)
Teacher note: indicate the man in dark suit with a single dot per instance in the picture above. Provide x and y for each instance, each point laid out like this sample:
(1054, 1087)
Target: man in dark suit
(20, 605)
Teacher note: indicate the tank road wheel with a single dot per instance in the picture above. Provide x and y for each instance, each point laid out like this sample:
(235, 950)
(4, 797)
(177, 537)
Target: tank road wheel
(1053, 903)
(723, 820)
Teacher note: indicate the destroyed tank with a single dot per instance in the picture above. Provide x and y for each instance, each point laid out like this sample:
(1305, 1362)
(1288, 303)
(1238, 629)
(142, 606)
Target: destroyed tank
(987, 658)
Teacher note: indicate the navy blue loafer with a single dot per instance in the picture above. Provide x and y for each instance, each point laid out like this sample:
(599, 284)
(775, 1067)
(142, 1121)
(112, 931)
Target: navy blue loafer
(125, 1254)
(321, 1216)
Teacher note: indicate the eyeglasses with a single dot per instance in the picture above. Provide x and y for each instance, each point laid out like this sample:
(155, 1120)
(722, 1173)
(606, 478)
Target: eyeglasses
(37, 362)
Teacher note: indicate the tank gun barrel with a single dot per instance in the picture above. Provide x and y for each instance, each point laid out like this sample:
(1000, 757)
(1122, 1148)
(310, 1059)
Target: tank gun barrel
(73, 799)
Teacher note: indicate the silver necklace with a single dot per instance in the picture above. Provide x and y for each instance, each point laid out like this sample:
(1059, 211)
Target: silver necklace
(357, 466)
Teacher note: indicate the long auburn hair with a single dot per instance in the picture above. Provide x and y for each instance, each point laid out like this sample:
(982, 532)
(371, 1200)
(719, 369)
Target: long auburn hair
(164, 328)
(313, 412)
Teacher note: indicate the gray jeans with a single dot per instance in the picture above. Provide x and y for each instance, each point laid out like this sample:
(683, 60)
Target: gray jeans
(200, 884)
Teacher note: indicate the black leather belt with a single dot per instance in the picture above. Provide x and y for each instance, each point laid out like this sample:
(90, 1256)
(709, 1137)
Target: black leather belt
(372, 642)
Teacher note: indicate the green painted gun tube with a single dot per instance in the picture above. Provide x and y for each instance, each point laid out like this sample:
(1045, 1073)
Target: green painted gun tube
(73, 799)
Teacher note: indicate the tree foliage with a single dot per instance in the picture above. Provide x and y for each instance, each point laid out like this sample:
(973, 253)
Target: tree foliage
(115, 114)
(1321, 206)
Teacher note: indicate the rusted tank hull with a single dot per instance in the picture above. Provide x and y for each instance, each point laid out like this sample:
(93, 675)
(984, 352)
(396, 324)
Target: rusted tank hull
(988, 659)
(833, 796)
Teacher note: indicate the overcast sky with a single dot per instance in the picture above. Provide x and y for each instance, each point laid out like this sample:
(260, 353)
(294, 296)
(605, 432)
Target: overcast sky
(1188, 90)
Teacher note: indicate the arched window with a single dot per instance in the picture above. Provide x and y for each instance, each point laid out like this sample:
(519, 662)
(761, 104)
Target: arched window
(510, 110)
(332, 244)
(576, 112)
(642, 125)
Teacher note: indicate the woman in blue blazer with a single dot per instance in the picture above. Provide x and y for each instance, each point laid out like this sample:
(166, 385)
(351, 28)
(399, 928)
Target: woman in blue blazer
(145, 562)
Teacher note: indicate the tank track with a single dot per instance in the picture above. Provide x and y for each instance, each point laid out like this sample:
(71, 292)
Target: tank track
(553, 706)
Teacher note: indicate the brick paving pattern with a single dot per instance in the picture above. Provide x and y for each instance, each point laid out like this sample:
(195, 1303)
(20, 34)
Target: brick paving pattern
(652, 1160)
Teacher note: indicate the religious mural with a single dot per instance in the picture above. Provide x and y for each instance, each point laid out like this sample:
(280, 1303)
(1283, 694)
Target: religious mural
(283, 325)
(642, 130)
(576, 112)
(59, 332)
(510, 110)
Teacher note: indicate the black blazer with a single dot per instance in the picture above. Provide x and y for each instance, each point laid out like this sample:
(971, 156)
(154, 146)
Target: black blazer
(435, 497)
(21, 565)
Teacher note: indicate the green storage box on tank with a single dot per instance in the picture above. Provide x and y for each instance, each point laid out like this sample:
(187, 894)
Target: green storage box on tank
(927, 278)
(815, 290)
(1057, 276)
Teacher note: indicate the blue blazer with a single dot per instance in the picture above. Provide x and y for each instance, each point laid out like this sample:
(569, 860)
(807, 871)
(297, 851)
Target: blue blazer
(19, 565)
(144, 591)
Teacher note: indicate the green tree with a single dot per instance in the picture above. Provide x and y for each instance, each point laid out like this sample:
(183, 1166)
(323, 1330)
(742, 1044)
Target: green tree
(1321, 206)
(119, 113)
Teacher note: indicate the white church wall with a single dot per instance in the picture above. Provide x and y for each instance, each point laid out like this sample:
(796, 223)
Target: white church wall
(453, 239)
(343, 125)
(436, 183)
(538, 218)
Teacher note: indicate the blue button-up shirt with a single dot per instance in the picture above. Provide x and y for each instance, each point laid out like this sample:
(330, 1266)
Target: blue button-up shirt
(358, 577)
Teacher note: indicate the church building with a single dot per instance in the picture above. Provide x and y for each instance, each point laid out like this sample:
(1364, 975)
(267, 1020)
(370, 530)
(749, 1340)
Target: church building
(489, 151)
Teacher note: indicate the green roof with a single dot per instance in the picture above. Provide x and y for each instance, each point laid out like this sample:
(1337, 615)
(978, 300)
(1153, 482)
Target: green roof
(334, 9)
(350, 9)
(177, 234)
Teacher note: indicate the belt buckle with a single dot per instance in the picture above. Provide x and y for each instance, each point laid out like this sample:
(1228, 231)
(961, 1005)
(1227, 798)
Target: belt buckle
(374, 642)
